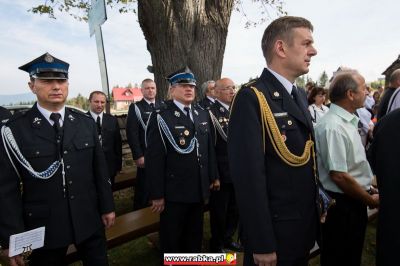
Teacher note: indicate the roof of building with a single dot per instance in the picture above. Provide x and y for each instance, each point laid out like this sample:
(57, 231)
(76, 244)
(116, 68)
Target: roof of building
(126, 94)
(394, 65)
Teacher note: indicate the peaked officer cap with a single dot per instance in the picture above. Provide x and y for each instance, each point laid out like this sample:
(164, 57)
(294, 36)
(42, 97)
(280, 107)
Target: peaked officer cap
(182, 76)
(46, 67)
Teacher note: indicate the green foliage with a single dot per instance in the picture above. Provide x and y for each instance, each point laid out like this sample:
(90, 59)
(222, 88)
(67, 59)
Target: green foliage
(80, 102)
(301, 82)
(323, 79)
(79, 9)
(377, 83)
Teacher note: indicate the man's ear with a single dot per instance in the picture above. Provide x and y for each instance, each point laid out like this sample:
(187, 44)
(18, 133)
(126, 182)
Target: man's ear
(349, 94)
(280, 48)
(32, 86)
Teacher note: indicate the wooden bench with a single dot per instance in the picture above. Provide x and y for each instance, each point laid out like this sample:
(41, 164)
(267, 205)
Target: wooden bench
(127, 227)
(372, 215)
(124, 180)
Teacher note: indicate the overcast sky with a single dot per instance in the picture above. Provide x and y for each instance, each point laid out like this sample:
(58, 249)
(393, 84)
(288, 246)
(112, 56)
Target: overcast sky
(361, 34)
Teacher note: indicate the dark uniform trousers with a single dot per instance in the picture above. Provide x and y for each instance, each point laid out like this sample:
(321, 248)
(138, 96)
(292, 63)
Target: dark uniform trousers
(72, 216)
(276, 201)
(224, 214)
(343, 232)
(136, 138)
(92, 251)
(183, 180)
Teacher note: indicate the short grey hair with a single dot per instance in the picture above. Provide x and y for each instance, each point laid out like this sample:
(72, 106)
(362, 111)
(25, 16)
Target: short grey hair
(394, 77)
(343, 81)
(204, 86)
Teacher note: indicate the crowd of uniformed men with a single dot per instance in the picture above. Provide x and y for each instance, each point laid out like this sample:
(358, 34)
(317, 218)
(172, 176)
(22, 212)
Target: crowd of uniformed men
(58, 164)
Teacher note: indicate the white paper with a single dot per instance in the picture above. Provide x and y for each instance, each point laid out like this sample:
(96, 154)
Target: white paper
(26, 241)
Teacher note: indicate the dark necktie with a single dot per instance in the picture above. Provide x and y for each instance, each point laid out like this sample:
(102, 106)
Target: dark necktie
(98, 125)
(187, 110)
(295, 96)
(152, 106)
(55, 117)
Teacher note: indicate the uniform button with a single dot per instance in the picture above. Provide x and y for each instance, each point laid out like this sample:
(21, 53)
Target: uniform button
(201, 166)
(65, 152)
(68, 166)
(30, 214)
(37, 152)
(86, 144)
(70, 182)
(72, 197)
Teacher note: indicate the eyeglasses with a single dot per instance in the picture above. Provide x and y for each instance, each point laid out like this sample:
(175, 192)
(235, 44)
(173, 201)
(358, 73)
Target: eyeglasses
(230, 88)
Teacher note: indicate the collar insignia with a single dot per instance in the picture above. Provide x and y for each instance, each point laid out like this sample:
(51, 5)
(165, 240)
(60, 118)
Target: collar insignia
(71, 118)
(197, 113)
(37, 121)
(177, 114)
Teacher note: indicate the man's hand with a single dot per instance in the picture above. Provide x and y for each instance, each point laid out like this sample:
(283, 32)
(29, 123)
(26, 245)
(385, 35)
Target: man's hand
(157, 205)
(215, 185)
(140, 162)
(108, 219)
(13, 261)
(268, 259)
(375, 201)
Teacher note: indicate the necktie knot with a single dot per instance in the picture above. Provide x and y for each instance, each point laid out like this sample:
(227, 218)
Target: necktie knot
(295, 96)
(187, 110)
(55, 117)
(152, 106)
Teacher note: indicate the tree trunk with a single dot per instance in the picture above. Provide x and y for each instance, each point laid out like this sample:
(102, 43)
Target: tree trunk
(183, 33)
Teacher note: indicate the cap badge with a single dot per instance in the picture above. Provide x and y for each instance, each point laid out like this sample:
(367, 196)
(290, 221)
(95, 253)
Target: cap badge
(48, 58)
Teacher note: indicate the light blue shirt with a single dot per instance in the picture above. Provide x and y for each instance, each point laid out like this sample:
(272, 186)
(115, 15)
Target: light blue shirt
(339, 148)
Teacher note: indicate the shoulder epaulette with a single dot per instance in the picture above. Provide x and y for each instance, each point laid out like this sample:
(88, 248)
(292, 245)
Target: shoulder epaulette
(14, 117)
(77, 112)
(250, 83)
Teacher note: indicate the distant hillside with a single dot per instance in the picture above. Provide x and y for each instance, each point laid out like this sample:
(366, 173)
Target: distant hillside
(16, 98)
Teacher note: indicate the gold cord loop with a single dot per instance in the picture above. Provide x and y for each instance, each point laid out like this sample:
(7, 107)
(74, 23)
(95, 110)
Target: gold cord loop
(268, 122)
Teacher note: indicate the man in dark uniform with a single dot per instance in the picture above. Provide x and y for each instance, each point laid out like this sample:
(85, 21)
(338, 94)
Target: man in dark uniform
(271, 163)
(383, 156)
(57, 158)
(180, 166)
(394, 83)
(224, 214)
(136, 124)
(108, 131)
(4, 114)
(208, 90)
